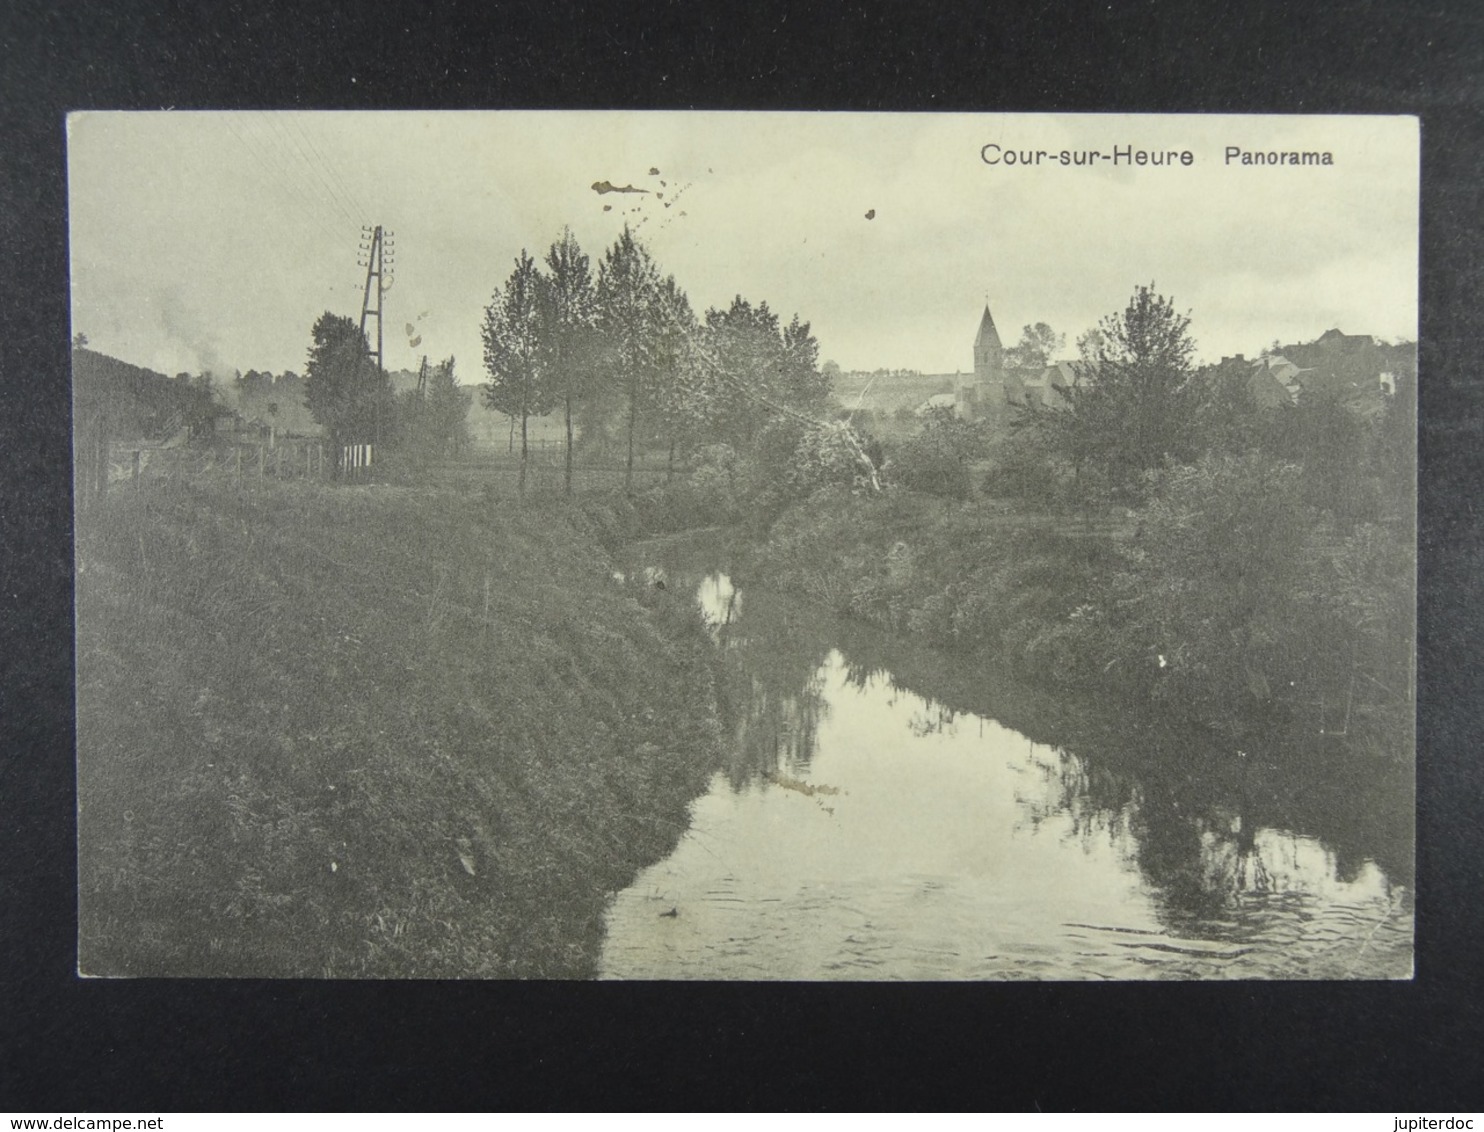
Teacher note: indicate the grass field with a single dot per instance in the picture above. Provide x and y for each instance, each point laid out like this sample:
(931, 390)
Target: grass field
(492, 471)
(368, 731)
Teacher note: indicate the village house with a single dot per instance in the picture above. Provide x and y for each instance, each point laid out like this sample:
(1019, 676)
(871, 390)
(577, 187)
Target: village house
(1354, 368)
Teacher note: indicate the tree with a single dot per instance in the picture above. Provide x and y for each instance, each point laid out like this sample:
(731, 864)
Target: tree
(343, 390)
(745, 345)
(830, 453)
(677, 391)
(1221, 581)
(1135, 400)
(200, 407)
(1228, 415)
(436, 422)
(1038, 345)
(804, 384)
(513, 353)
(1089, 342)
(1396, 445)
(760, 369)
(628, 294)
(936, 460)
(447, 408)
(569, 328)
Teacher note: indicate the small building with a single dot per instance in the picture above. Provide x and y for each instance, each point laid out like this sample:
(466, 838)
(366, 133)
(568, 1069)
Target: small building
(1042, 387)
(1273, 380)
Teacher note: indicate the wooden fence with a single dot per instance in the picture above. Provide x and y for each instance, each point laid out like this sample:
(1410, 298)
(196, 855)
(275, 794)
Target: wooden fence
(145, 467)
(139, 466)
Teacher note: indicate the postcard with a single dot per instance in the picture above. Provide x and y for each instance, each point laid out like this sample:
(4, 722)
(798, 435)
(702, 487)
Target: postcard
(745, 546)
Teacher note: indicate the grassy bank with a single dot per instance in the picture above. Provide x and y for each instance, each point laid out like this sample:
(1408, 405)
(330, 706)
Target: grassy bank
(369, 732)
(1227, 610)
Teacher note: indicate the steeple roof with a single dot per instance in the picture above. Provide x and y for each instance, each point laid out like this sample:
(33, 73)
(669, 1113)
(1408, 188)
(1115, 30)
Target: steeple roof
(988, 335)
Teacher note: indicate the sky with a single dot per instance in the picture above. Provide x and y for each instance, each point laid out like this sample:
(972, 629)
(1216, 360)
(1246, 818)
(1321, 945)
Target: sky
(213, 240)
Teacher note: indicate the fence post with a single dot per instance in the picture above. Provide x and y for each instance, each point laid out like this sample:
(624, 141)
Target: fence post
(135, 469)
(238, 451)
(261, 460)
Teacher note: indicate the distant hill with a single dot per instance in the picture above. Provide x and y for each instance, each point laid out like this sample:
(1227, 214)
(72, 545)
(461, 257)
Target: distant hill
(884, 392)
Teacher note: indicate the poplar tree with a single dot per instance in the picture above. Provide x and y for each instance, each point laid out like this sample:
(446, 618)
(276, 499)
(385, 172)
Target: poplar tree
(568, 328)
(629, 320)
(514, 356)
(677, 390)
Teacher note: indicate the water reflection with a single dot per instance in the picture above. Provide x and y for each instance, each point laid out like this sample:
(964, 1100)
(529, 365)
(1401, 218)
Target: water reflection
(889, 812)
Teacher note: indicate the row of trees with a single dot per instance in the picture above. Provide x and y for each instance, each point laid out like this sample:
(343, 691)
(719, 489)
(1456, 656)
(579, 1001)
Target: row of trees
(620, 349)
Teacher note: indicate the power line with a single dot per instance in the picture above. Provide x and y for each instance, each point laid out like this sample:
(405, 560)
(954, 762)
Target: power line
(274, 154)
(314, 167)
(299, 171)
(269, 161)
(290, 147)
(345, 189)
(260, 161)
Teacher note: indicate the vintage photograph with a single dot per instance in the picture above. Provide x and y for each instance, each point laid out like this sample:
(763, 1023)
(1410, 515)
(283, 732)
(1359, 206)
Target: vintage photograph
(744, 546)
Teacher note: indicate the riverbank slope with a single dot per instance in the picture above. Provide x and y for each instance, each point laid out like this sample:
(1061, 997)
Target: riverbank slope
(369, 732)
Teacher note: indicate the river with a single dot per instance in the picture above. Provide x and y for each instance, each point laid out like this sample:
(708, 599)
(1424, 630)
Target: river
(888, 812)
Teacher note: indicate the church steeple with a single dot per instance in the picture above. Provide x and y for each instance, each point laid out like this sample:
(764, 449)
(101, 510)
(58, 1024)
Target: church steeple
(989, 354)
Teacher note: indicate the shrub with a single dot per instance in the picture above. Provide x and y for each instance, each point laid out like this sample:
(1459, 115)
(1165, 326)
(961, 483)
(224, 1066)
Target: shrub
(937, 459)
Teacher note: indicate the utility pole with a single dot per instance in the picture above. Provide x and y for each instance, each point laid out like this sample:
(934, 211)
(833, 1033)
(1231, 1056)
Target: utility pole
(378, 254)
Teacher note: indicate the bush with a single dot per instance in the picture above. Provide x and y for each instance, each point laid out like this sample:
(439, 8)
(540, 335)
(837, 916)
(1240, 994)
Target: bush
(936, 461)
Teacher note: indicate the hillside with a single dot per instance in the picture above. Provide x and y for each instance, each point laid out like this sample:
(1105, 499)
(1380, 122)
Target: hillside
(139, 403)
(886, 392)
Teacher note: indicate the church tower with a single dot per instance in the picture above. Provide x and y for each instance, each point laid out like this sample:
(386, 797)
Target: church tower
(989, 354)
(985, 398)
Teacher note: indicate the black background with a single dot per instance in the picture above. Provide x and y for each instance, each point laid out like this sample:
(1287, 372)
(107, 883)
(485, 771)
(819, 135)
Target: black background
(66, 1045)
